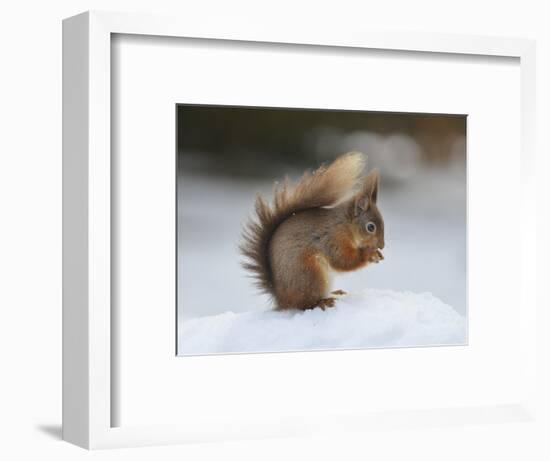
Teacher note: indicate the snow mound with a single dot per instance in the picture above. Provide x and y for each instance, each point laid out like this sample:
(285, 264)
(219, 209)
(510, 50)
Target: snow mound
(368, 319)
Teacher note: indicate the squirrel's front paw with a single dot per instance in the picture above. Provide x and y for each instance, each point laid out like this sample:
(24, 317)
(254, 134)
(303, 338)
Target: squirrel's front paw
(375, 256)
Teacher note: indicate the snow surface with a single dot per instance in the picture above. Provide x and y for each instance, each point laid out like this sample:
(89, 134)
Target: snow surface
(367, 319)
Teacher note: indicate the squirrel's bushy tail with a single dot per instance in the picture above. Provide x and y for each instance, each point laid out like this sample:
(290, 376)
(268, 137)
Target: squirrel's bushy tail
(323, 187)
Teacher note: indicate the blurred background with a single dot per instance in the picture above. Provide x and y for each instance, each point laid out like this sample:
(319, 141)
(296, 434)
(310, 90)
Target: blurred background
(226, 155)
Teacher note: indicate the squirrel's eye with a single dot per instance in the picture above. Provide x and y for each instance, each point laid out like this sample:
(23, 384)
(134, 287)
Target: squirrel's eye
(371, 227)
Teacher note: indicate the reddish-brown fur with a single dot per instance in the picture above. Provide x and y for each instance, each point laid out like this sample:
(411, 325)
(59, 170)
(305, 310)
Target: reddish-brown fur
(314, 272)
(346, 256)
(317, 226)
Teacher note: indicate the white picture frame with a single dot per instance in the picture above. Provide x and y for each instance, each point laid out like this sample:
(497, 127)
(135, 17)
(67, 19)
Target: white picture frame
(90, 365)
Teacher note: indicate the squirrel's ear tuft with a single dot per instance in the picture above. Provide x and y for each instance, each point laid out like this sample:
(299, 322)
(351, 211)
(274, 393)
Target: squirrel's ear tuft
(360, 204)
(371, 184)
(368, 193)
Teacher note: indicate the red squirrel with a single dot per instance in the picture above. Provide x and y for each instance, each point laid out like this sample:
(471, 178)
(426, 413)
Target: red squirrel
(327, 221)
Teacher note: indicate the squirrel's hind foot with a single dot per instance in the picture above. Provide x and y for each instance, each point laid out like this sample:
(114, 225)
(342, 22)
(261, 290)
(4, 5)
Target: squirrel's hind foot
(326, 302)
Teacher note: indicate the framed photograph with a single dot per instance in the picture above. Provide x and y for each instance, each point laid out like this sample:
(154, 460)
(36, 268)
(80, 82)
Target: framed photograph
(269, 232)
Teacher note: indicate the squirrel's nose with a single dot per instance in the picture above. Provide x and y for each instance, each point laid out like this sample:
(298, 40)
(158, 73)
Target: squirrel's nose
(381, 244)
